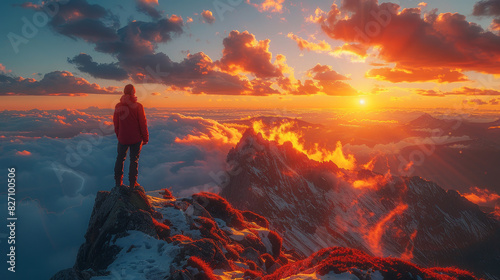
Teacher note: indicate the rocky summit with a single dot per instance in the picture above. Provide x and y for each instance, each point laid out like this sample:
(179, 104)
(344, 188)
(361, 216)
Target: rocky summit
(132, 235)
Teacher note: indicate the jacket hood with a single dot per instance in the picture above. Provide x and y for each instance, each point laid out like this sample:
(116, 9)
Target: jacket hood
(128, 99)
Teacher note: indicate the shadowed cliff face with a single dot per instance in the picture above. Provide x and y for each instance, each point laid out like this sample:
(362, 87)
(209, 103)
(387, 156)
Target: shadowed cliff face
(317, 205)
(135, 236)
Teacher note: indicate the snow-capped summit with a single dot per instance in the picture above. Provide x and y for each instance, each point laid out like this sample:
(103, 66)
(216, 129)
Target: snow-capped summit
(316, 205)
(135, 236)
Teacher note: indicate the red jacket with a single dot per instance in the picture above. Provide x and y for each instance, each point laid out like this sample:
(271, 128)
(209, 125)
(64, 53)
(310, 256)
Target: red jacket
(130, 121)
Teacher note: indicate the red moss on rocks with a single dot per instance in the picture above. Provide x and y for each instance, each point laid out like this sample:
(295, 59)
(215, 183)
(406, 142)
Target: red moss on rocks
(255, 218)
(166, 193)
(162, 230)
(276, 242)
(340, 260)
(221, 209)
(179, 238)
(204, 270)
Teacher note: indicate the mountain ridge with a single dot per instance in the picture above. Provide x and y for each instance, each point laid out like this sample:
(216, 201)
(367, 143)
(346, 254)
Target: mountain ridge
(307, 200)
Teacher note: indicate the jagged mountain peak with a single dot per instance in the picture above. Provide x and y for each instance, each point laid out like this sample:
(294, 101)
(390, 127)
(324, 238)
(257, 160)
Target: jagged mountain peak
(132, 235)
(315, 205)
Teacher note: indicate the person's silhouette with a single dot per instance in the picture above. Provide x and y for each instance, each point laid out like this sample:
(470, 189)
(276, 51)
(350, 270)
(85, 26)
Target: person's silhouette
(131, 129)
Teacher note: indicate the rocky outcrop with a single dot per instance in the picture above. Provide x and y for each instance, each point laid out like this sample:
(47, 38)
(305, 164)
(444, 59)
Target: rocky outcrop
(202, 228)
(135, 236)
(114, 213)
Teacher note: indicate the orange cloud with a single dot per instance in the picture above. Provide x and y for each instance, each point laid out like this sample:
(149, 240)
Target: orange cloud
(399, 75)
(475, 101)
(413, 41)
(323, 47)
(325, 73)
(309, 87)
(353, 49)
(322, 79)
(3, 69)
(459, 91)
(213, 136)
(242, 52)
(273, 6)
(481, 196)
(23, 153)
(148, 7)
(303, 44)
(208, 17)
(318, 17)
(285, 133)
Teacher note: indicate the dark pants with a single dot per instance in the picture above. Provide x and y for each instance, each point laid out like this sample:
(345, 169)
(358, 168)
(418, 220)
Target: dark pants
(135, 150)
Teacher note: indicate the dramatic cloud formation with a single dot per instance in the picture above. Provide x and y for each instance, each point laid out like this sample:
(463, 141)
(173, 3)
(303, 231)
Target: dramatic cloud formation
(242, 52)
(53, 83)
(109, 71)
(245, 68)
(208, 17)
(458, 91)
(444, 42)
(397, 75)
(133, 45)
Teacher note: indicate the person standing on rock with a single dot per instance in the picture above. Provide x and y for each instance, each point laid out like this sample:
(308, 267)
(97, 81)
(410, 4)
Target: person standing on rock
(131, 129)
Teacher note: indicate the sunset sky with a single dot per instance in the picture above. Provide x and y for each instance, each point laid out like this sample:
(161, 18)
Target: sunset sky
(251, 54)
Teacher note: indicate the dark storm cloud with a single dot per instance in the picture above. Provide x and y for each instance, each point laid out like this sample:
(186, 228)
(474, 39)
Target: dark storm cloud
(111, 71)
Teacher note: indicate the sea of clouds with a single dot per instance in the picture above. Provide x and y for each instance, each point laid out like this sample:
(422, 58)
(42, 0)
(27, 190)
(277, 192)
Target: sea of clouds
(64, 157)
